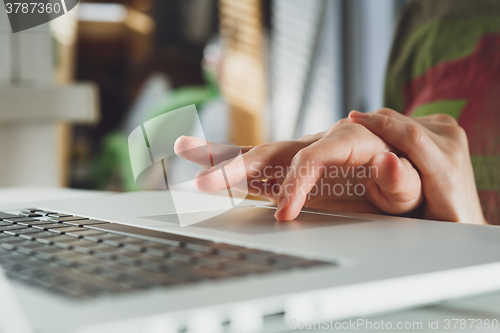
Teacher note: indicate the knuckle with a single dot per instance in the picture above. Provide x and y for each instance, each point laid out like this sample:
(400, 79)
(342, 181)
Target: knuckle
(454, 131)
(302, 156)
(387, 112)
(445, 118)
(346, 127)
(386, 123)
(416, 136)
(459, 136)
(459, 132)
(307, 138)
(265, 151)
(262, 146)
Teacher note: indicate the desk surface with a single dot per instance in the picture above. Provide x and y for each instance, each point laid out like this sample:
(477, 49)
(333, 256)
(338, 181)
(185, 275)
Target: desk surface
(444, 314)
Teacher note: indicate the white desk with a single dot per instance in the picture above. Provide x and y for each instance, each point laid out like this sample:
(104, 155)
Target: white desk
(481, 307)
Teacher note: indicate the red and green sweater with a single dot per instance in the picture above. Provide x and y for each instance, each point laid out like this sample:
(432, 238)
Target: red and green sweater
(446, 59)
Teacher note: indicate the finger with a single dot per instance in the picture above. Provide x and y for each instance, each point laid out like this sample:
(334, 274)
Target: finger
(302, 175)
(406, 135)
(342, 145)
(205, 153)
(391, 183)
(437, 118)
(266, 161)
(426, 120)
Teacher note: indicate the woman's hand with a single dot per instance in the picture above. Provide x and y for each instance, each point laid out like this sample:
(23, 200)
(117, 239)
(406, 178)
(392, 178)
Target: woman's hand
(438, 148)
(314, 171)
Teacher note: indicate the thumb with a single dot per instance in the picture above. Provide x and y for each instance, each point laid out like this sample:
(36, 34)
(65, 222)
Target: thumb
(392, 183)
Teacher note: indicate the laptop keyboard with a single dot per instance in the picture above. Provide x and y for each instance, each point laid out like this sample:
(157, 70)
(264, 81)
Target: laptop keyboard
(81, 257)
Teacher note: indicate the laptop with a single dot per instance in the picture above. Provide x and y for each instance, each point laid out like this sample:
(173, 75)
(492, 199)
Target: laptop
(121, 263)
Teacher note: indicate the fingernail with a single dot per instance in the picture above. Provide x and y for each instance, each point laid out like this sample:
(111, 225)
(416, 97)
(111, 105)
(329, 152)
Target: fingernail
(281, 204)
(357, 114)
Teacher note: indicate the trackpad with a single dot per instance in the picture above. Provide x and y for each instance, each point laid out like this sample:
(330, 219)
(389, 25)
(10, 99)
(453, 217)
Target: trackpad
(260, 220)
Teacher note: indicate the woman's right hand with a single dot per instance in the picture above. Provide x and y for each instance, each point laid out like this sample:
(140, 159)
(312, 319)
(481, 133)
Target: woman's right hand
(298, 168)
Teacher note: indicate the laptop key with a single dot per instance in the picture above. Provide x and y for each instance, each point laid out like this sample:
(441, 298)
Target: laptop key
(212, 263)
(230, 251)
(23, 220)
(63, 241)
(105, 251)
(155, 267)
(258, 256)
(85, 246)
(11, 244)
(67, 258)
(47, 252)
(61, 228)
(56, 280)
(152, 259)
(12, 266)
(116, 274)
(4, 236)
(185, 273)
(46, 234)
(12, 227)
(311, 263)
(4, 252)
(130, 243)
(15, 257)
(89, 268)
(71, 229)
(284, 261)
(32, 222)
(157, 253)
(32, 272)
(29, 210)
(182, 257)
(91, 260)
(114, 241)
(28, 248)
(58, 215)
(15, 217)
(45, 212)
(207, 248)
(152, 277)
(124, 253)
(6, 216)
(47, 240)
(83, 223)
(50, 226)
(134, 247)
(31, 214)
(86, 233)
(18, 232)
(66, 218)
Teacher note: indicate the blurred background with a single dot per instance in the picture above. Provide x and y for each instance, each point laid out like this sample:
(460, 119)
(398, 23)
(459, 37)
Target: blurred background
(257, 70)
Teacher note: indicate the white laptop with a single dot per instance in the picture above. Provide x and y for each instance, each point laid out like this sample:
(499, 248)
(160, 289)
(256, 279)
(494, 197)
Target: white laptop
(120, 263)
